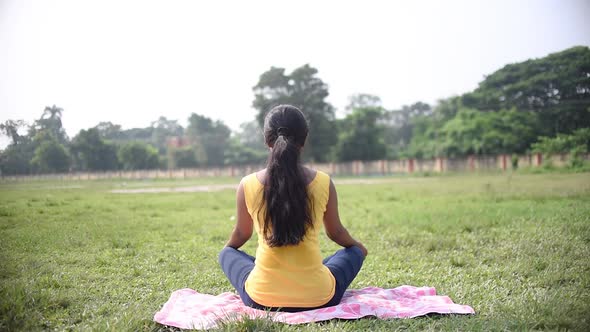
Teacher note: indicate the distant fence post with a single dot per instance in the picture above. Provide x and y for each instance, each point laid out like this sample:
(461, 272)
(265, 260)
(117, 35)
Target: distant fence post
(439, 165)
(538, 159)
(410, 165)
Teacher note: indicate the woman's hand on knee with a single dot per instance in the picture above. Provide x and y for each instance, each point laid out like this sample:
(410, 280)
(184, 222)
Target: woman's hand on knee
(362, 248)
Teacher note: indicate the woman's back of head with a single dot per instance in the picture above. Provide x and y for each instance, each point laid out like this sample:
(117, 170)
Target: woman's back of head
(287, 203)
(286, 121)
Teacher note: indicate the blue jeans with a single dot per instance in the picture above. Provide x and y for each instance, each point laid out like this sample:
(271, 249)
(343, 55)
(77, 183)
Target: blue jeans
(344, 265)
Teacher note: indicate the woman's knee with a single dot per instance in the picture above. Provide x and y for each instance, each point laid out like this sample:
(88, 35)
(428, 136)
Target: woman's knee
(224, 253)
(356, 253)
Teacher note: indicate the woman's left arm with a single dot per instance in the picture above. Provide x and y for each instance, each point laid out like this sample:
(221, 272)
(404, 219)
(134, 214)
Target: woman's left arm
(243, 230)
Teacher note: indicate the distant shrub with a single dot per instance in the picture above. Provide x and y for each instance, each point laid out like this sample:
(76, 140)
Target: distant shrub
(576, 144)
(577, 155)
(514, 161)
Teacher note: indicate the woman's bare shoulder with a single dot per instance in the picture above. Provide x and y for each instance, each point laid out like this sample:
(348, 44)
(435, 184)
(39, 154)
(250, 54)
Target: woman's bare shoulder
(261, 175)
(309, 174)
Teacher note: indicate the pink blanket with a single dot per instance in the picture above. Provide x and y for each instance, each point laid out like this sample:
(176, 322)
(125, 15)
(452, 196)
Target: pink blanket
(188, 309)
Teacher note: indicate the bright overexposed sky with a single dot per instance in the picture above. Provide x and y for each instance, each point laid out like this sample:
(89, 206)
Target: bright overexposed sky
(130, 62)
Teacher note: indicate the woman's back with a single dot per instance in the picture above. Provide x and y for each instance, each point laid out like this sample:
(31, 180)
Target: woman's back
(293, 275)
(287, 207)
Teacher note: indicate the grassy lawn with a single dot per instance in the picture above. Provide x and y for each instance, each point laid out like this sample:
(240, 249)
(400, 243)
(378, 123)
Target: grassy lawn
(515, 247)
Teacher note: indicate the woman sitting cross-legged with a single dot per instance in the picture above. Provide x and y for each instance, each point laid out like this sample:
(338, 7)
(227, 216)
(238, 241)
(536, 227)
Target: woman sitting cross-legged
(286, 204)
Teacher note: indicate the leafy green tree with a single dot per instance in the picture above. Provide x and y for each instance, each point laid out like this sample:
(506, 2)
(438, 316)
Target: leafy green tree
(518, 130)
(50, 122)
(138, 155)
(52, 112)
(114, 133)
(362, 100)
(361, 135)
(475, 132)
(446, 109)
(577, 144)
(563, 143)
(91, 152)
(109, 131)
(303, 89)
(557, 87)
(399, 127)
(464, 134)
(16, 158)
(50, 157)
(185, 157)
(246, 146)
(210, 136)
(424, 143)
(162, 129)
(39, 150)
(251, 136)
(137, 135)
(10, 128)
(240, 154)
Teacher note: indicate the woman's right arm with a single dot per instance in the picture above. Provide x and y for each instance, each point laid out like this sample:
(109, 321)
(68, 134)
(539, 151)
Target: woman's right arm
(243, 229)
(334, 228)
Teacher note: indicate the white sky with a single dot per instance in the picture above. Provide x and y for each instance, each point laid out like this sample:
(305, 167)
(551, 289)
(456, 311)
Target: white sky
(130, 62)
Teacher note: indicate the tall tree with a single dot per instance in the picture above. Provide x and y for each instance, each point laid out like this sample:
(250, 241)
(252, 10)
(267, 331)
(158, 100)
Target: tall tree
(91, 152)
(43, 149)
(250, 135)
(362, 100)
(114, 132)
(362, 135)
(246, 146)
(240, 154)
(51, 157)
(210, 136)
(474, 132)
(52, 112)
(564, 143)
(557, 87)
(50, 121)
(399, 125)
(10, 128)
(162, 129)
(138, 155)
(303, 89)
(16, 157)
(184, 157)
(109, 131)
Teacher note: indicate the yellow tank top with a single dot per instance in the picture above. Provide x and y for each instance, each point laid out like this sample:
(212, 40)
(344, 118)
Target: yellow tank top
(290, 276)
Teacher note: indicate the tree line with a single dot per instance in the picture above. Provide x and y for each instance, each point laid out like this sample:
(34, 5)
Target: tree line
(539, 105)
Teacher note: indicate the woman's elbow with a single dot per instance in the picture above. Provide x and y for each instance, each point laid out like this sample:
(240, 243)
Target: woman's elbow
(334, 235)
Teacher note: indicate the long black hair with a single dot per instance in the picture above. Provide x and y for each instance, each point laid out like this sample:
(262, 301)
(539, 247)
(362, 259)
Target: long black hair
(288, 215)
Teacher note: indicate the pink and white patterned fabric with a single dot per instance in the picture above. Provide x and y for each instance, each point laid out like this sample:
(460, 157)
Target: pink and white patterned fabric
(188, 309)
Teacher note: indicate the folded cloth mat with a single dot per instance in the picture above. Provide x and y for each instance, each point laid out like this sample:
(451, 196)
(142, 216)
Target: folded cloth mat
(188, 309)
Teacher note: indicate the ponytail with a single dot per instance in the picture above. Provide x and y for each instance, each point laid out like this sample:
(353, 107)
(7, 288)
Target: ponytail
(287, 215)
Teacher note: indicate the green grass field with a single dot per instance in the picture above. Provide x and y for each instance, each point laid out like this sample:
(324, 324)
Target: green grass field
(74, 256)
